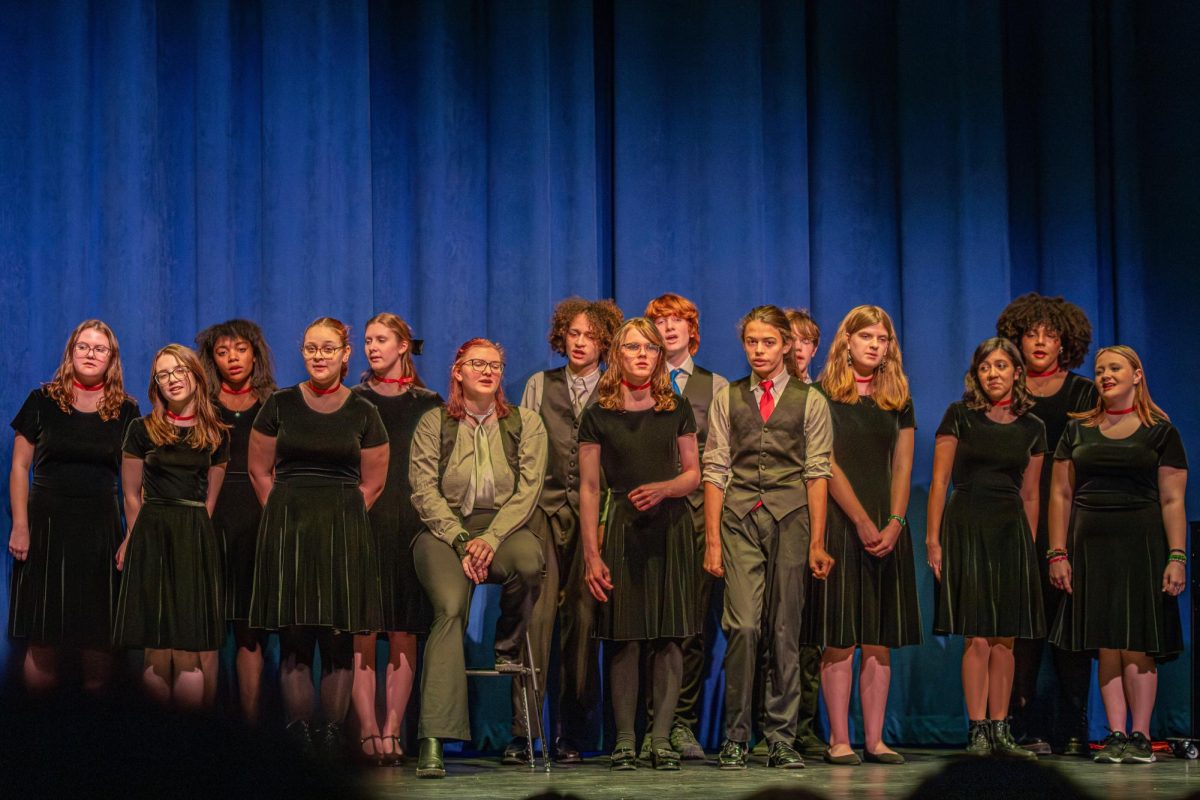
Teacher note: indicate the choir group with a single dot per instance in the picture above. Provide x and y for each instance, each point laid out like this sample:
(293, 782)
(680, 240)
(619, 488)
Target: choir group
(608, 504)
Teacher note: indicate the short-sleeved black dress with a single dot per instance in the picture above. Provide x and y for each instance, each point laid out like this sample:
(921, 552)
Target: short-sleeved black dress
(316, 562)
(651, 555)
(865, 599)
(236, 517)
(1117, 542)
(394, 521)
(65, 591)
(171, 591)
(990, 584)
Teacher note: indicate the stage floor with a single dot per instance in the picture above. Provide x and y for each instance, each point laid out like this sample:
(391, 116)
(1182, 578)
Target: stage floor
(485, 778)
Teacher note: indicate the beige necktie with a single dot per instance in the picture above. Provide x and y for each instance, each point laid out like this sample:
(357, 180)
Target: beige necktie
(482, 492)
(580, 395)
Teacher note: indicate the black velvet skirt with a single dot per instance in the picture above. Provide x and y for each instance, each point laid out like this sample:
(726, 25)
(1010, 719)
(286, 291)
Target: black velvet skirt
(171, 590)
(651, 556)
(65, 591)
(236, 519)
(316, 562)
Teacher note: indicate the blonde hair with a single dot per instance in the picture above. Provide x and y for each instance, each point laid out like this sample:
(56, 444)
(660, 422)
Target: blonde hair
(608, 391)
(209, 429)
(61, 388)
(889, 384)
(1148, 412)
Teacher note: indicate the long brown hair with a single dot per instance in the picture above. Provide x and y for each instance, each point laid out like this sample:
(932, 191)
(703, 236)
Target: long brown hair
(975, 398)
(209, 429)
(455, 405)
(61, 388)
(889, 384)
(398, 326)
(608, 391)
(1148, 412)
(337, 326)
(262, 378)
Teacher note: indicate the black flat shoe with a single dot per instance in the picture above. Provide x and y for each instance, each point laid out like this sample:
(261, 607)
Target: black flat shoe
(883, 758)
(623, 758)
(429, 759)
(374, 758)
(516, 752)
(664, 759)
(394, 757)
(850, 759)
(301, 734)
(565, 752)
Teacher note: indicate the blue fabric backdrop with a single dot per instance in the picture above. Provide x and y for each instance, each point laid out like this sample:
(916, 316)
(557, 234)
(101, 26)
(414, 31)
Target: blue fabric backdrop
(165, 165)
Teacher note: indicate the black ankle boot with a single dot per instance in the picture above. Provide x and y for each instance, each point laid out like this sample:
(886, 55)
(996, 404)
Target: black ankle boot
(429, 759)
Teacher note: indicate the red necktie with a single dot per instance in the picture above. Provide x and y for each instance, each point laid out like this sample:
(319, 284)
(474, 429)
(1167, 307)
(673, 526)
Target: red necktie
(766, 403)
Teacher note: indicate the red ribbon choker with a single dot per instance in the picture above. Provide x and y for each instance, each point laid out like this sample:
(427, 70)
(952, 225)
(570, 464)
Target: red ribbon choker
(244, 390)
(1002, 403)
(1116, 412)
(401, 382)
(867, 379)
(322, 392)
(95, 388)
(633, 388)
(180, 417)
(1052, 371)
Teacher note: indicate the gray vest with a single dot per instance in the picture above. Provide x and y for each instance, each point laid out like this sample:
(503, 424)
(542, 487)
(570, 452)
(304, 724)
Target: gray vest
(699, 392)
(510, 438)
(562, 443)
(766, 459)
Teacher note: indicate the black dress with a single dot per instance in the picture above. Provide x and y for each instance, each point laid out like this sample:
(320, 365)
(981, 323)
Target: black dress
(171, 590)
(1117, 543)
(651, 555)
(394, 521)
(865, 599)
(65, 591)
(316, 562)
(990, 584)
(236, 517)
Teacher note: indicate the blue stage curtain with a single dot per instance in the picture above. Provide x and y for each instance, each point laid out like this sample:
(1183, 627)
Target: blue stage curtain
(165, 165)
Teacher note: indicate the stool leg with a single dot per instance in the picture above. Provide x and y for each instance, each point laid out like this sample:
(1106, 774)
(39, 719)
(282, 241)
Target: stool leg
(523, 677)
(537, 699)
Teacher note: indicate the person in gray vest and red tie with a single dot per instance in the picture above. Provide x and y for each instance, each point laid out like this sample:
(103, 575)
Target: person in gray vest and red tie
(581, 330)
(766, 474)
(476, 469)
(678, 321)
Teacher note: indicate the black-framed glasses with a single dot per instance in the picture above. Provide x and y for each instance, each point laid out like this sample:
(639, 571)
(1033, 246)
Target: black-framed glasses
(100, 350)
(328, 351)
(480, 365)
(165, 376)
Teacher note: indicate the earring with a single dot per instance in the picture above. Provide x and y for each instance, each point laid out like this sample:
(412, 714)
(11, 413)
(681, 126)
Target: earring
(849, 359)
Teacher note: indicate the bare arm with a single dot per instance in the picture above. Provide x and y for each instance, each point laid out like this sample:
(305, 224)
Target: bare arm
(1031, 491)
(902, 459)
(131, 489)
(216, 477)
(1172, 485)
(1062, 491)
(18, 496)
(943, 461)
(843, 494)
(714, 501)
(260, 463)
(819, 561)
(596, 572)
(373, 467)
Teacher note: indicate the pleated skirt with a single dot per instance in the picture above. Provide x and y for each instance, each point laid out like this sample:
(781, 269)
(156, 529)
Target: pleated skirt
(406, 607)
(652, 558)
(65, 591)
(316, 562)
(1117, 560)
(865, 600)
(236, 520)
(171, 590)
(990, 583)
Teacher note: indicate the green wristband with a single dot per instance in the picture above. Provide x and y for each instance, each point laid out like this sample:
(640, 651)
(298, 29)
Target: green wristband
(903, 522)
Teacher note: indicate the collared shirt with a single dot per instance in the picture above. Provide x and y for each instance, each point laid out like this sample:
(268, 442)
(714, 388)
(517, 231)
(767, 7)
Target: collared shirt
(437, 504)
(818, 432)
(688, 367)
(531, 398)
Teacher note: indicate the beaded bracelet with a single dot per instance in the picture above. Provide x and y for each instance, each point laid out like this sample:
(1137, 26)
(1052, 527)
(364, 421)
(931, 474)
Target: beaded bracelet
(1056, 551)
(1177, 557)
(898, 518)
(1056, 559)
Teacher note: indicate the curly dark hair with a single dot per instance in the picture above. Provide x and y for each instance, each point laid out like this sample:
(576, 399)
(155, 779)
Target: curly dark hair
(1062, 316)
(262, 380)
(975, 398)
(603, 315)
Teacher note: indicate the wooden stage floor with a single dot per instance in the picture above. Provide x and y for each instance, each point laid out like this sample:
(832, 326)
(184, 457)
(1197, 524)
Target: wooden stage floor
(471, 778)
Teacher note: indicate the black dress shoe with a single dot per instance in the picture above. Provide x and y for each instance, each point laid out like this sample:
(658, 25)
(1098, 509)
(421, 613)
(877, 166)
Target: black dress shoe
(783, 756)
(516, 752)
(565, 752)
(301, 734)
(429, 759)
(732, 755)
(329, 742)
(1077, 746)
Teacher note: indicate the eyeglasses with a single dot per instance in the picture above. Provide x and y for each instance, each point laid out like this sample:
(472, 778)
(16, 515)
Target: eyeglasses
(179, 373)
(479, 365)
(328, 351)
(85, 349)
(634, 348)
